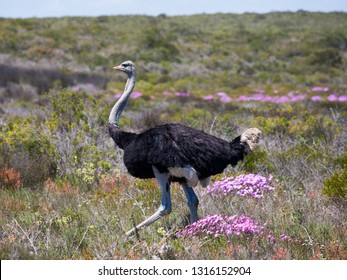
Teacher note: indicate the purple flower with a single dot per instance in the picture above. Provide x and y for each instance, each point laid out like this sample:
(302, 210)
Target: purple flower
(299, 97)
(222, 225)
(342, 98)
(136, 94)
(332, 97)
(243, 98)
(225, 99)
(285, 237)
(320, 89)
(76, 88)
(182, 94)
(257, 97)
(271, 238)
(166, 93)
(243, 185)
(208, 97)
(221, 94)
(282, 99)
(118, 95)
(316, 98)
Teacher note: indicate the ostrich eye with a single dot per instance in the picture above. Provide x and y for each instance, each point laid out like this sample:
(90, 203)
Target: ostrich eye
(125, 65)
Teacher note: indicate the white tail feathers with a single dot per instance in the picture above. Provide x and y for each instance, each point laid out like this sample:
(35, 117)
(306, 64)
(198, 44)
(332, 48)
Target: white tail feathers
(187, 172)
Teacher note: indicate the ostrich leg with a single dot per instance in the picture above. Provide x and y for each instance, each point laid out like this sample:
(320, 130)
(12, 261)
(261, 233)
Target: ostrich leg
(192, 201)
(165, 207)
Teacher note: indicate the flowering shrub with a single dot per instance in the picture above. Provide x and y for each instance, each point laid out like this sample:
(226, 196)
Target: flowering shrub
(253, 185)
(216, 225)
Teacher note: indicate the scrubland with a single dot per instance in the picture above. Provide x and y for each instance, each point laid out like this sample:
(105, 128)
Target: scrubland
(64, 191)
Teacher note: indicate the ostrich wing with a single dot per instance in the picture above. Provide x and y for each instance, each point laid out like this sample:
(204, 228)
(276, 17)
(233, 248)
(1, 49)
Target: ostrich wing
(154, 147)
(207, 154)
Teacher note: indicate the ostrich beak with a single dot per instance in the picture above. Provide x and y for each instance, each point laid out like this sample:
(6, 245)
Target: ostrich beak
(119, 67)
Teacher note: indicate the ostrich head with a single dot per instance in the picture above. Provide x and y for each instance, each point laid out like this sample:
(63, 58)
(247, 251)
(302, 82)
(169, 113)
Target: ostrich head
(251, 137)
(126, 67)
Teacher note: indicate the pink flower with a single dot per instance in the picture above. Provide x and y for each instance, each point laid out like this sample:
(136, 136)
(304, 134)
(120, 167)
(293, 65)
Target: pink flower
(342, 98)
(332, 97)
(285, 237)
(118, 95)
(208, 97)
(316, 98)
(166, 93)
(253, 185)
(136, 94)
(182, 94)
(282, 99)
(221, 94)
(243, 98)
(269, 99)
(225, 99)
(76, 88)
(320, 89)
(257, 97)
(217, 225)
(298, 97)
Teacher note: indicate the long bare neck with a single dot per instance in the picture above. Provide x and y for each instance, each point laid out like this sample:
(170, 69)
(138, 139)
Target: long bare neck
(122, 101)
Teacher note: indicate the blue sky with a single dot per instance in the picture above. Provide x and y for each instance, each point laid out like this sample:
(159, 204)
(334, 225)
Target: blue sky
(58, 8)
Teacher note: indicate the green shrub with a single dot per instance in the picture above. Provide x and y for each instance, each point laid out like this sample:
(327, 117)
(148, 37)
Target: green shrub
(257, 161)
(67, 109)
(27, 148)
(326, 57)
(157, 45)
(335, 187)
(271, 125)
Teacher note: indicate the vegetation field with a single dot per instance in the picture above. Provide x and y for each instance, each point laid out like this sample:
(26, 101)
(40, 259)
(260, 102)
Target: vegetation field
(64, 191)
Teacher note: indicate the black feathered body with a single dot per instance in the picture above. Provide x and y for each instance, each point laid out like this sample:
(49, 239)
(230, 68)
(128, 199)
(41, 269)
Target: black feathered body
(176, 145)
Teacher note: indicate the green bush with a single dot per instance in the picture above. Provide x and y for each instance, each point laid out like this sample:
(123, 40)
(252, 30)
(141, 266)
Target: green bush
(67, 109)
(335, 187)
(271, 125)
(326, 57)
(27, 148)
(257, 161)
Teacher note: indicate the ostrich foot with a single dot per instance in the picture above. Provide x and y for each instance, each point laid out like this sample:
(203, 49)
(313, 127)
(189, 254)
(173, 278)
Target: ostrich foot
(162, 211)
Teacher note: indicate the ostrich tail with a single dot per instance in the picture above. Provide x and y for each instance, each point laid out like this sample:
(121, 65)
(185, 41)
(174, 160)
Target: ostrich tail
(251, 137)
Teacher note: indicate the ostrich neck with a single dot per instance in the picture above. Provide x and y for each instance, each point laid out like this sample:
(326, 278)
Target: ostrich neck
(122, 101)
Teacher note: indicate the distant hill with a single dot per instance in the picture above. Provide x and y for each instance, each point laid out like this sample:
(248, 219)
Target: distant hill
(201, 52)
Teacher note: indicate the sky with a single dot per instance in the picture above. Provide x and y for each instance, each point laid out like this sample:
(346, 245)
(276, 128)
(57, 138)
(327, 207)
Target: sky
(59, 8)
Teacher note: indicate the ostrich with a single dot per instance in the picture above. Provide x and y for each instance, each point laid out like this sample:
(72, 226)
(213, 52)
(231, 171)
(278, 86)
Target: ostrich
(174, 153)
